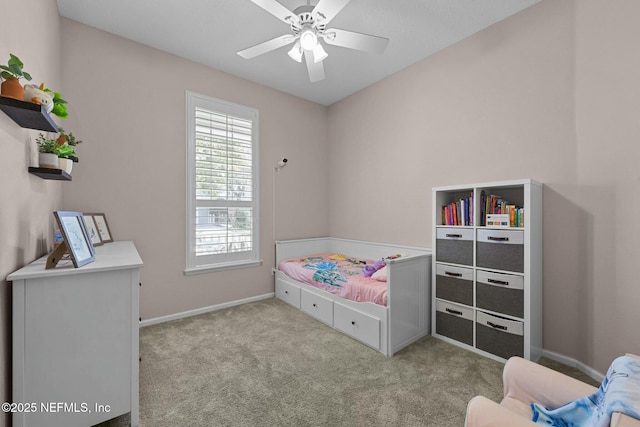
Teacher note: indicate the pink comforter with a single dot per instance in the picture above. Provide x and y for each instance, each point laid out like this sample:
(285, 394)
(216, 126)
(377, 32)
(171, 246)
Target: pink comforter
(333, 273)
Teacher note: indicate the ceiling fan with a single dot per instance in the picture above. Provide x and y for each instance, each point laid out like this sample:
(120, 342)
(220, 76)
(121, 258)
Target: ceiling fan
(308, 26)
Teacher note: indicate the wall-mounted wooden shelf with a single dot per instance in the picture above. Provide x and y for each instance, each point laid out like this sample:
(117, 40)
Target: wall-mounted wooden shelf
(27, 114)
(46, 173)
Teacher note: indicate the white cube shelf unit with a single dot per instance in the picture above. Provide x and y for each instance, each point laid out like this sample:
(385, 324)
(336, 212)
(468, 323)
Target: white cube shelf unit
(487, 279)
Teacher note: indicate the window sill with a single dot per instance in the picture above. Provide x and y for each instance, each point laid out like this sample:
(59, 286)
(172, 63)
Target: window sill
(219, 267)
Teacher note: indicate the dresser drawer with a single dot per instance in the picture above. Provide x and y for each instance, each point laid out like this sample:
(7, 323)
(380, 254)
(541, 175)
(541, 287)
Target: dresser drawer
(503, 293)
(360, 326)
(454, 284)
(454, 321)
(454, 245)
(288, 293)
(317, 306)
(500, 249)
(499, 336)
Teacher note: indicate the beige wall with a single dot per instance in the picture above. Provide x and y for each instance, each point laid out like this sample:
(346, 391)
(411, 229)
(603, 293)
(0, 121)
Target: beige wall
(608, 129)
(26, 201)
(129, 109)
(550, 94)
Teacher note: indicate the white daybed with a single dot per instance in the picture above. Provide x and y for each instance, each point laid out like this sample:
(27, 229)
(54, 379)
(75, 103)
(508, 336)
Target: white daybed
(406, 317)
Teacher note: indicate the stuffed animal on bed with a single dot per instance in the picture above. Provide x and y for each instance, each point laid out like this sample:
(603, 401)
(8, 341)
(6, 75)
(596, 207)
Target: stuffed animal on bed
(368, 270)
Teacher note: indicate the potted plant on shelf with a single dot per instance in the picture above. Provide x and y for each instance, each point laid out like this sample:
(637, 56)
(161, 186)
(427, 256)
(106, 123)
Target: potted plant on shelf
(68, 139)
(62, 147)
(66, 154)
(66, 151)
(12, 73)
(48, 152)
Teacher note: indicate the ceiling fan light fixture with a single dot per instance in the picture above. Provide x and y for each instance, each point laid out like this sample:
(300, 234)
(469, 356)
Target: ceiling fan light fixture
(319, 53)
(296, 52)
(308, 39)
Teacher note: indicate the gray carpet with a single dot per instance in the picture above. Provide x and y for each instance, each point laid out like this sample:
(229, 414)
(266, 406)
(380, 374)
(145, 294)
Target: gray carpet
(267, 364)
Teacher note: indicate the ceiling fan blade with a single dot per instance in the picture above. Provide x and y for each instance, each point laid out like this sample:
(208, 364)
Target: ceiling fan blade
(278, 10)
(268, 46)
(353, 40)
(326, 10)
(315, 69)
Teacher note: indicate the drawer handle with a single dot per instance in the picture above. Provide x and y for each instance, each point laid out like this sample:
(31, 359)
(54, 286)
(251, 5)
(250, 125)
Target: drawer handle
(314, 304)
(456, 236)
(498, 282)
(456, 312)
(449, 273)
(498, 239)
(495, 326)
(353, 322)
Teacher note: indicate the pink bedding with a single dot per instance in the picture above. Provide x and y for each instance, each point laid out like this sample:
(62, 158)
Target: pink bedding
(338, 274)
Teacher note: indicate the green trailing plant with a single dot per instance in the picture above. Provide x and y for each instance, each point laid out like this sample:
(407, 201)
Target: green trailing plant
(13, 69)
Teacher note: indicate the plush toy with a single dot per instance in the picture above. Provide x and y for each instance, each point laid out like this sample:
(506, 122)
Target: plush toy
(59, 109)
(368, 270)
(37, 95)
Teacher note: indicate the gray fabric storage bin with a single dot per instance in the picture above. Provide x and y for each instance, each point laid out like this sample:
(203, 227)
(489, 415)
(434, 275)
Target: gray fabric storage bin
(499, 336)
(454, 322)
(500, 250)
(454, 245)
(503, 293)
(454, 284)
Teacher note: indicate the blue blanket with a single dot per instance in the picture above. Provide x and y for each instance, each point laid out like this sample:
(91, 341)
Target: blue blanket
(619, 392)
(326, 272)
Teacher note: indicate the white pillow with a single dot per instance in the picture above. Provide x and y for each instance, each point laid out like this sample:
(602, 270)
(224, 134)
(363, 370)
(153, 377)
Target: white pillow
(380, 275)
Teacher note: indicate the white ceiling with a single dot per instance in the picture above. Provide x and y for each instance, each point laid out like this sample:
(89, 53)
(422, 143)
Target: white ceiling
(210, 32)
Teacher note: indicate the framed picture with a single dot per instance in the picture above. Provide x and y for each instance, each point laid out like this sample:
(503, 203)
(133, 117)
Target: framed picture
(103, 227)
(92, 229)
(75, 236)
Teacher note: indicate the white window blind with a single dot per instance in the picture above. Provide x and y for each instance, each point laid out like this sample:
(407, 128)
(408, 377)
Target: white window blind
(222, 174)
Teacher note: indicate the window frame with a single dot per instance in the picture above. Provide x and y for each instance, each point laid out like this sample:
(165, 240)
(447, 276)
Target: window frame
(233, 260)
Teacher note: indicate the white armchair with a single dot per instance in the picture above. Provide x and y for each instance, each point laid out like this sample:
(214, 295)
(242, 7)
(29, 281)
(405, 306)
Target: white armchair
(527, 382)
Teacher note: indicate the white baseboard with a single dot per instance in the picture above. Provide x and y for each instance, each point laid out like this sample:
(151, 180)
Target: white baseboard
(574, 364)
(203, 310)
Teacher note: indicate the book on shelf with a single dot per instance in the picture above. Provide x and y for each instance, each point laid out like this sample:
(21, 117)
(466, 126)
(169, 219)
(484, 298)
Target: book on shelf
(498, 212)
(458, 212)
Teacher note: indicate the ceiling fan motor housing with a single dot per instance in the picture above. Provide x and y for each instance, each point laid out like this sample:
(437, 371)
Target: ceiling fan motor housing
(306, 19)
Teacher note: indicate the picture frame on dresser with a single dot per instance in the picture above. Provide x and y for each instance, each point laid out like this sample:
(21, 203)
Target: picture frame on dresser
(103, 227)
(92, 229)
(75, 237)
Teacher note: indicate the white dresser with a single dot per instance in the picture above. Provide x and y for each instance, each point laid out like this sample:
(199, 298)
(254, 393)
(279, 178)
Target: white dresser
(75, 340)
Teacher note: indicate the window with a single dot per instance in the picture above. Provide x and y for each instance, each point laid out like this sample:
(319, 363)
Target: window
(222, 185)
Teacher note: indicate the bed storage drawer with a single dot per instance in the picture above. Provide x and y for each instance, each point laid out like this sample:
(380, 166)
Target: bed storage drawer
(360, 326)
(454, 321)
(501, 250)
(454, 283)
(317, 306)
(288, 293)
(454, 245)
(499, 336)
(500, 292)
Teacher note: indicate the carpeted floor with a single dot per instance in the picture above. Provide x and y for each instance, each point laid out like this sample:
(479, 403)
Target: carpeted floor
(267, 364)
